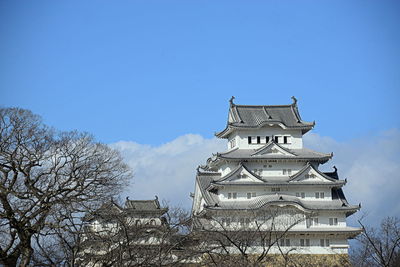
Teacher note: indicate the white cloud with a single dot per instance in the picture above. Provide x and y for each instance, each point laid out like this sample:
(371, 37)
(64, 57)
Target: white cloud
(372, 168)
(167, 170)
(371, 165)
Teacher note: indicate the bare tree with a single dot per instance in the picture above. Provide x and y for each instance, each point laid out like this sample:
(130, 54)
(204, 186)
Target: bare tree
(249, 239)
(379, 247)
(45, 178)
(115, 238)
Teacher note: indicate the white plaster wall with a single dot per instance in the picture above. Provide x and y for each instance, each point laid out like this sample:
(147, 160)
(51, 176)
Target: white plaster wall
(337, 245)
(241, 137)
(323, 219)
(276, 168)
(267, 190)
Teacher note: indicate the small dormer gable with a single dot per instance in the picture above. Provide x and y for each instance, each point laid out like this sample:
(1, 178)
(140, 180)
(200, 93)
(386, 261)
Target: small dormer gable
(273, 148)
(240, 175)
(309, 174)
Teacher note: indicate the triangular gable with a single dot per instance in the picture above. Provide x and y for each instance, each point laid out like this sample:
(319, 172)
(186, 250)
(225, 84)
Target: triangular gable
(241, 175)
(274, 149)
(110, 205)
(311, 174)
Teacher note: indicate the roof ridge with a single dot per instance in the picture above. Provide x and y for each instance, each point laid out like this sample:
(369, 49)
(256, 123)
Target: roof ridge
(141, 200)
(262, 106)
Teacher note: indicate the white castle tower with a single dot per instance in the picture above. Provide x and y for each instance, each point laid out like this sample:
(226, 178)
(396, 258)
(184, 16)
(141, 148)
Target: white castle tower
(267, 169)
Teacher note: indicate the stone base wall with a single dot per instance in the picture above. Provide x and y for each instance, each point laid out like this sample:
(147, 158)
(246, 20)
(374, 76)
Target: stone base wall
(292, 260)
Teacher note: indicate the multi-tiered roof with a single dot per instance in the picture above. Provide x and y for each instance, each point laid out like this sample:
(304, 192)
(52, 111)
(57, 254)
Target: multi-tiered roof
(253, 117)
(216, 176)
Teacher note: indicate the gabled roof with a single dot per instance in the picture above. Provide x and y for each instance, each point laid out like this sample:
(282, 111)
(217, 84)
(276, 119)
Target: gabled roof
(264, 201)
(286, 154)
(106, 210)
(271, 148)
(299, 175)
(334, 174)
(204, 182)
(250, 116)
(111, 209)
(143, 205)
(233, 175)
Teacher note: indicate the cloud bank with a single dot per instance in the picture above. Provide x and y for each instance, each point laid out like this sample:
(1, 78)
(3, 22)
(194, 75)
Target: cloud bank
(167, 170)
(370, 164)
(372, 168)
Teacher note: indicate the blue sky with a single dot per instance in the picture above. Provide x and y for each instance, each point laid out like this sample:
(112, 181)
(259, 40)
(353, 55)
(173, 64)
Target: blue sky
(159, 74)
(150, 71)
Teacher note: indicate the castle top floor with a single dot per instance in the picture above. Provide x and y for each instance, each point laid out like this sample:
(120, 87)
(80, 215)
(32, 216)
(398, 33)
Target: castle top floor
(250, 126)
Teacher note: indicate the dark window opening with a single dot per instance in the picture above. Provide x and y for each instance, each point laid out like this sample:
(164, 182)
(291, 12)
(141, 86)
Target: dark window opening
(258, 139)
(276, 139)
(249, 139)
(285, 139)
(266, 139)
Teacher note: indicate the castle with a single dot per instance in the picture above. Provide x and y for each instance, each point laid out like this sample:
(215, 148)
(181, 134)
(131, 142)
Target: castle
(268, 182)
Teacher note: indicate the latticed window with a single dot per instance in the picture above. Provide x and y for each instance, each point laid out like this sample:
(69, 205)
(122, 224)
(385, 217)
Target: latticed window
(287, 140)
(324, 242)
(232, 195)
(304, 242)
(333, 221)
(226, 221)
(284, 242)
(232, 143)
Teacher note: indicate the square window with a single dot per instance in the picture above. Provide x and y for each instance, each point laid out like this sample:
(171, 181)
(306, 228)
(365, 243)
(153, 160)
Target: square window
(232, 143)
(284, 171)
(234, 195)
(333, 221)
(248, 195)
(229, 195)
(322, 195)
(316, 194)
(253, 194)
(303, 195)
